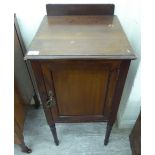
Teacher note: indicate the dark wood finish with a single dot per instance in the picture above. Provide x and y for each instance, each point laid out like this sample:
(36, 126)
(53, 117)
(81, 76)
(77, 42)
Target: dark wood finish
(80, 64)
(88, 77)
(122, 71)
(135, 137)
(107, 135)
(80, 37)
(53, 129)
(42, 90)
(80, 119)
(19, 117)
(44, 96)
(114, 82)
(120, 82)
(79, 9)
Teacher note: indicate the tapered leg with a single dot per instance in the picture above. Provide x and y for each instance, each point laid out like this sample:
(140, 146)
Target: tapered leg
(54, 133)
(108, 131)
(25, 149)
(36, 100)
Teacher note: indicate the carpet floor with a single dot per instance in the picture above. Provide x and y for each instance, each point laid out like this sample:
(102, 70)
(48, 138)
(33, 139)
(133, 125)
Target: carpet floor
(75, 138)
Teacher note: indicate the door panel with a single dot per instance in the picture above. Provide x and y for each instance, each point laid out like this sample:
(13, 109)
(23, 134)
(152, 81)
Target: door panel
(80, 87)
(80, 91)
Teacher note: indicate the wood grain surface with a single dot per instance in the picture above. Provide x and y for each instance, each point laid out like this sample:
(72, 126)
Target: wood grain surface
(80, 37)
(80, 88)
(79, 9)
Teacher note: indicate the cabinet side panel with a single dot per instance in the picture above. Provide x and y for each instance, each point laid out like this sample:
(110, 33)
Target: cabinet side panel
(111, 90)
(49, 84)
(123, 71)
(41, 87)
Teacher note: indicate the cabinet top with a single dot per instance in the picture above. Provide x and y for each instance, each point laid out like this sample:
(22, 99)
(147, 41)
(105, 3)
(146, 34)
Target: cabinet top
(65, 37)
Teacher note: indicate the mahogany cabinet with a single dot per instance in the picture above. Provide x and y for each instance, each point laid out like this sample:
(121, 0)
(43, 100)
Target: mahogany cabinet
(80, 60)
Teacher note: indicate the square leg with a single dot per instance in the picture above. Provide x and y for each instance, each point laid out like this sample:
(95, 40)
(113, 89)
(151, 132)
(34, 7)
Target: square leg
(108, 132)
(54, 133)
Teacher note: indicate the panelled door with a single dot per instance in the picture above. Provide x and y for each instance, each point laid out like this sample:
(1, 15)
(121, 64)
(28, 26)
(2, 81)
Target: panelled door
(80, 90)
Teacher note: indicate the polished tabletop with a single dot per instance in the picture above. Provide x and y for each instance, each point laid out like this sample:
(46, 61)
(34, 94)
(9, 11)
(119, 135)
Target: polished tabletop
(98, 36)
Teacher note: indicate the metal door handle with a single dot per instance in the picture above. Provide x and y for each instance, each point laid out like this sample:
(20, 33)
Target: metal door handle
(51, 100)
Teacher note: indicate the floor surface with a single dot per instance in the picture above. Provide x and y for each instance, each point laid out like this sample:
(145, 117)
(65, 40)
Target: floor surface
(75, 138)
